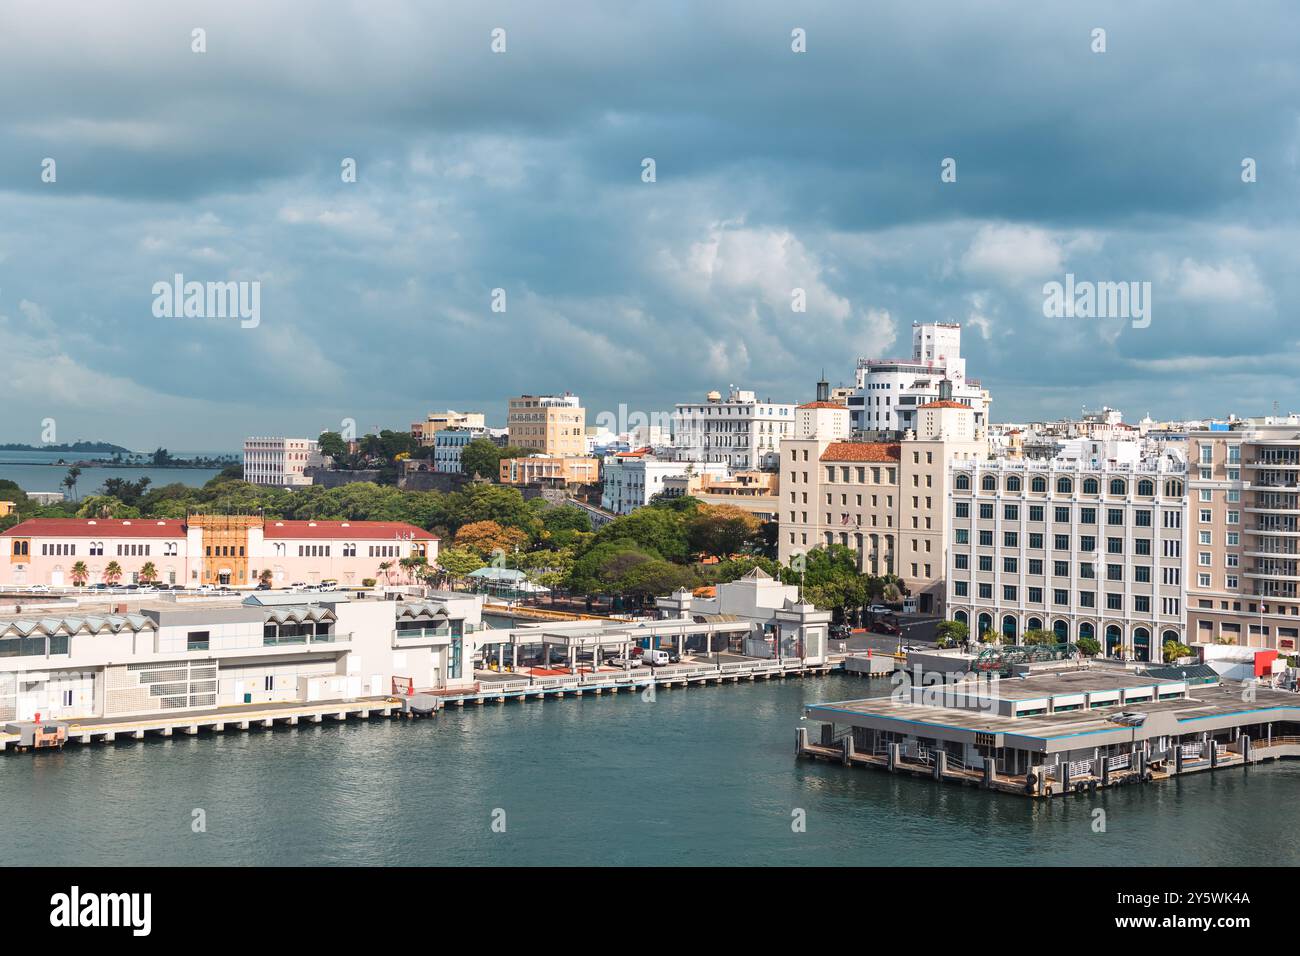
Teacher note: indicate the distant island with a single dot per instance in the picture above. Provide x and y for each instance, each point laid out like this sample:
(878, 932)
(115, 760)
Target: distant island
(101, 447)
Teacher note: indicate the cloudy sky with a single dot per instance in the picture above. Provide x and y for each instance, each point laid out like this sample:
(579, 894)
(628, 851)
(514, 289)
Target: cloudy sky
(522, 171)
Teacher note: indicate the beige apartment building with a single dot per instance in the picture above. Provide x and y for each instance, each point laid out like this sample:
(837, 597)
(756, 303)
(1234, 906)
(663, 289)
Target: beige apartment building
(1244, 517)
(884, 500)
(424, 432)
(548, 424)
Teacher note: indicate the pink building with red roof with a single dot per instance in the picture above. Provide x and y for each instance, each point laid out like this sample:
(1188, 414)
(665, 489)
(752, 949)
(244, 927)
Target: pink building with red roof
(235, 550)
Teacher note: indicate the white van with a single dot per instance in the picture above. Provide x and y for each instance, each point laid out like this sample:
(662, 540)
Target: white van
(655, 658)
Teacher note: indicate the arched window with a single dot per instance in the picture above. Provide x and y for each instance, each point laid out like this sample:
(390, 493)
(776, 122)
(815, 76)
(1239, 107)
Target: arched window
(1147, 488)
(988, 483)
(1039, 484)
(1013, 483)
(963, 483)
(1064, 486)
(1090, 486)
(1118, 487)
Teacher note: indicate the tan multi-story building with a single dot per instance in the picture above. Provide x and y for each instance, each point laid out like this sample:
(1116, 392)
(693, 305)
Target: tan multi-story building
(547, 470)
(425, 432)
(549, 424)
(1244, 536)
(884, 500)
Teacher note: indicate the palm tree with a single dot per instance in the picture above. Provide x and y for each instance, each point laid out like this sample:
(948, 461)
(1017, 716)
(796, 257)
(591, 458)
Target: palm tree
(70, 480)
(112, 572)
(384, 568)
(148, 572)
(80, 573)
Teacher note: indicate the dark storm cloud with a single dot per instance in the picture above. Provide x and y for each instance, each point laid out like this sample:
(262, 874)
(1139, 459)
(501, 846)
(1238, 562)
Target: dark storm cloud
(522, 171)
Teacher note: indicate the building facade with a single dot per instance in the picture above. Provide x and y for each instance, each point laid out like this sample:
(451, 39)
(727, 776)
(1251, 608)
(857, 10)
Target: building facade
(1083, 549)
(279, 462)
(426, 431)
(1244, 517)
(547, 470)
(234, 550)
(548, 424)
(739, 431)
(885, 500)
(889, 391)
(168, 658)
(449, 443)
(631, 480)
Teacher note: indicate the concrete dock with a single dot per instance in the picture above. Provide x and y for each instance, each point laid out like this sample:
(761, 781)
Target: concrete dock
(490, 688)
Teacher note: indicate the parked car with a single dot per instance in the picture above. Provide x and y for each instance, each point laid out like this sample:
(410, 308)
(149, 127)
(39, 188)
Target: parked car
(841, 632)
(886, 627)
(262, 587)
(39, 589)
(655, 657)
(625, 662)
(877, 609)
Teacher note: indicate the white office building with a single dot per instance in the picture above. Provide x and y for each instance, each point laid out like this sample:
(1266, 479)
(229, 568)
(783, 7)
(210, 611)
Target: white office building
(1087, 549)
(279, 462)
(739, 431)
(631, 480)
(889, 391)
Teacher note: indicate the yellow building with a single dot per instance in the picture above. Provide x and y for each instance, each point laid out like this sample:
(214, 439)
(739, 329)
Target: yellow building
(538, 469)
(6, 508)
(435, 422)
(549, 424)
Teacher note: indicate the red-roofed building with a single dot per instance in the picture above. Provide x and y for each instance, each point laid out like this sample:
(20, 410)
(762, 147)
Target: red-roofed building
(883, 500)
(238, 550)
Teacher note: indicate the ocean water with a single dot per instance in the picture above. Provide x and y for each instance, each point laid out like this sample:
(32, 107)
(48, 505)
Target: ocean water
(697, 777)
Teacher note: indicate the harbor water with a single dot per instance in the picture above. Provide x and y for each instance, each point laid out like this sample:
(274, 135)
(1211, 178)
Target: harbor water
(695, 776)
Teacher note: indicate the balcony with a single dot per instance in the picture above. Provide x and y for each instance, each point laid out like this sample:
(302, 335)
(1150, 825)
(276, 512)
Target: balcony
(305, 640)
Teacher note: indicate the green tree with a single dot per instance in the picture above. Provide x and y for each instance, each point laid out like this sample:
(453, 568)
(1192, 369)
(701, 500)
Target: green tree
(459, 563)
(80, 573)
(481, 458)
(70, 480)
(1088, 646)
(148, 572)
(333, 445)
(112, 572)
(722, 530)
(1038, 636)
(1173, 650)
(949, 633)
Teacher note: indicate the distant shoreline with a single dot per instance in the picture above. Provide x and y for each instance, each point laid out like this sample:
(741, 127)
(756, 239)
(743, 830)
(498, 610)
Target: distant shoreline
(109, 463)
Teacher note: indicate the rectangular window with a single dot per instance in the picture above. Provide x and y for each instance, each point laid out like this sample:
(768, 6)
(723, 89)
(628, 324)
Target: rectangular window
(1036, 542)
(196, 641)
(1035, 512)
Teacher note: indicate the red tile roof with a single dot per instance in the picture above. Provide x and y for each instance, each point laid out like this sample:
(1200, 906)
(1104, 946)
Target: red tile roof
(861, 451)
(824, 405)
(97, 528)
(175, 528)
(944, 404)
(275, 528)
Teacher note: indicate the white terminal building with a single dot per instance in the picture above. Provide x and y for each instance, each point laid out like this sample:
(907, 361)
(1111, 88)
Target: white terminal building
(279, 462)
(1086, 547)
(739, 431)
(889, 391)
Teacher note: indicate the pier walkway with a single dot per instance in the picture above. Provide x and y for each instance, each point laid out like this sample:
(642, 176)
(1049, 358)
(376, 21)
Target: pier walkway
(490, 687)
